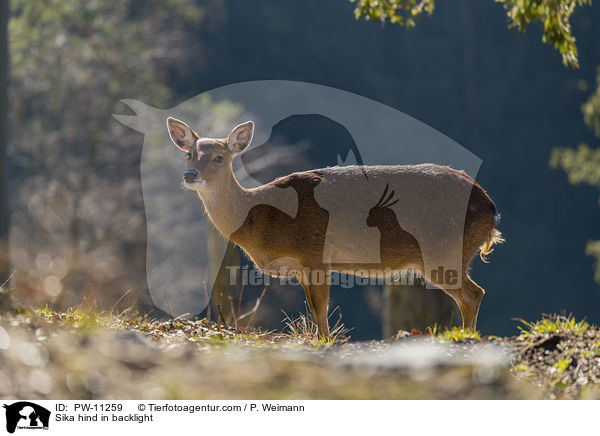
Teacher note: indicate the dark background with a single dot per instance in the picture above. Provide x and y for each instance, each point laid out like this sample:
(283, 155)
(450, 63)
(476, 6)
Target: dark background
(504, 96)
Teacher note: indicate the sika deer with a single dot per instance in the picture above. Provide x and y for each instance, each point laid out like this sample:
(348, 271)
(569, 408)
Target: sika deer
(301, 232)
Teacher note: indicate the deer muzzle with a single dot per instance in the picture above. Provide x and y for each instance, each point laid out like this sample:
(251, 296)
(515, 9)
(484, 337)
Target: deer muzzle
(190, 176)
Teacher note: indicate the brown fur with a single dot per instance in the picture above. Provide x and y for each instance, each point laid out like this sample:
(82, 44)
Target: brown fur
(302, 237)
(273, 238)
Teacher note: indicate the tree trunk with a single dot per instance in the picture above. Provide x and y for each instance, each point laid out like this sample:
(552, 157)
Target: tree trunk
(4, 59)
(408, 307)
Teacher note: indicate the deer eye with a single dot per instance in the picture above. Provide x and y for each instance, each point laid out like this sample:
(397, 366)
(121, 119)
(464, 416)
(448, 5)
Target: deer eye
(188, 156)
(218, 159)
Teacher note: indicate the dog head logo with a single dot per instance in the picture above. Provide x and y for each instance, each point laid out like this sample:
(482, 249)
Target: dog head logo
(26, 415)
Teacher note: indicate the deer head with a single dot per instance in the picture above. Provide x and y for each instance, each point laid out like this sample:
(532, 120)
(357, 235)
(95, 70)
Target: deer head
(208, 159)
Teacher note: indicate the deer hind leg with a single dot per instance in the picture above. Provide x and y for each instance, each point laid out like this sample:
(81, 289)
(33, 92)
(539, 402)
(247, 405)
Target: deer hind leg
(468, 298)
(317, 296)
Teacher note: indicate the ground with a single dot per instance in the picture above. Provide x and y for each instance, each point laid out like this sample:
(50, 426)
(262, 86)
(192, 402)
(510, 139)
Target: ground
(85, 355)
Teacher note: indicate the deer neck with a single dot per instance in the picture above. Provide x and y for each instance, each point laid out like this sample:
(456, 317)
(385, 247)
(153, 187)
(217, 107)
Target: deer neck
(227, 206)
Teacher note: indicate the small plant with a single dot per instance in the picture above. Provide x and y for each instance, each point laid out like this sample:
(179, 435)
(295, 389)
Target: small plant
(304, 329)
(521, 367)
(432, 330)
(77, 319)
(457, 334)
(552, 324)
(562, 365)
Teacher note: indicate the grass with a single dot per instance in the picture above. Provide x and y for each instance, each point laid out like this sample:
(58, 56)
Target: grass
(79, 319)
(552, 324)
(562, 365)
(560, 354)
(521, 367)
(86, 354)
(557, 353)
(304, 329)
(457, 334)
(448, 335)
(301, 329)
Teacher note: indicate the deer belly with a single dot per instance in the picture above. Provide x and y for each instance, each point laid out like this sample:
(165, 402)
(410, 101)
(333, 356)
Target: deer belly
(349, 240)
(279, 267)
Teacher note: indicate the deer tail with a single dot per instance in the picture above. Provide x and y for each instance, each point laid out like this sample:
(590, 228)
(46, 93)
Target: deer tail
(495, 237)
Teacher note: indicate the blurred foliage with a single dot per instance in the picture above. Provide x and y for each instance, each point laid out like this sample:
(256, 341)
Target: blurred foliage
(78, 221)
(553, 15)
(593, 249)
(582, 165)
(404, 12)
(591, 109)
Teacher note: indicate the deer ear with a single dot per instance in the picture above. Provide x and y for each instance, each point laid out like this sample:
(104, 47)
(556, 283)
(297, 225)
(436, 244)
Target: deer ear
(181, 134)
(240, 137)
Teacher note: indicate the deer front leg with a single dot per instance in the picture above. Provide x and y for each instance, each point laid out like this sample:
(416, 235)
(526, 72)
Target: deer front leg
(317, 296)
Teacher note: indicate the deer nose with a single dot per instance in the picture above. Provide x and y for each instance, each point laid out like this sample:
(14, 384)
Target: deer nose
(190, 175)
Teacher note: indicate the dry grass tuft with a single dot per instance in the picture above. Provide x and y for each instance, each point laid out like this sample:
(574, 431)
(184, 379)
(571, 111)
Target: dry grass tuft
(304, 329)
